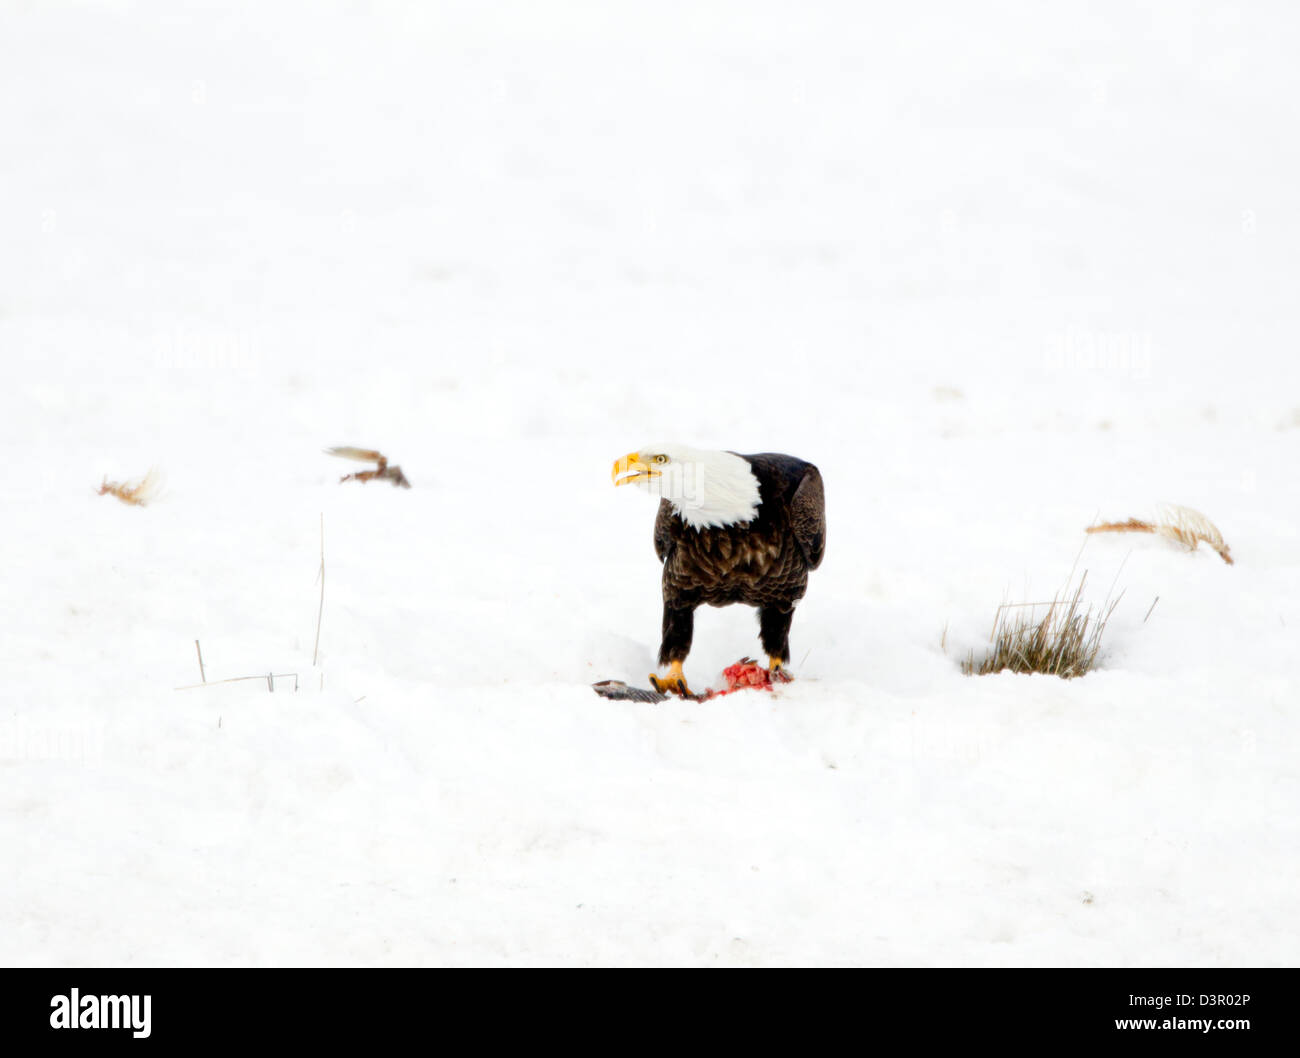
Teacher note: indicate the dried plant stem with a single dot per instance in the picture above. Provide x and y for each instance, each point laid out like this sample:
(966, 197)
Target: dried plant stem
(320, 612)
(1131, 526)
(382, 471)
(1064, 642)
(269, 677)
(1181, 524)
(202, 675)
(136, 493)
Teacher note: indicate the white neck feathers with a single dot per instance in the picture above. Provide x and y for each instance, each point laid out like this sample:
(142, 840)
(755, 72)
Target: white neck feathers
(707, 489)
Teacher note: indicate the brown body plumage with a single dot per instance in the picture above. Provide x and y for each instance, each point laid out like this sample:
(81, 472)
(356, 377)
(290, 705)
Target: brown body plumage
(763, 562)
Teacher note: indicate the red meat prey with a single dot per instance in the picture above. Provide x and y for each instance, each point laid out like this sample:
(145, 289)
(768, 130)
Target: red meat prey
(745, 673)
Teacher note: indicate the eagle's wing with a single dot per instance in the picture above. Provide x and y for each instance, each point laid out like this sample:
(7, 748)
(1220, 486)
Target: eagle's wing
(663, 538)
(808, 517)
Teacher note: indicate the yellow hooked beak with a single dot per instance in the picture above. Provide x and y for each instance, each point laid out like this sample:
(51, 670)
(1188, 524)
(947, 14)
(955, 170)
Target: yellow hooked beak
(634, 468)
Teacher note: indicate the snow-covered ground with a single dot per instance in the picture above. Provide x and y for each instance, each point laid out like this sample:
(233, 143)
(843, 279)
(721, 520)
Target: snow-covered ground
(998, 270)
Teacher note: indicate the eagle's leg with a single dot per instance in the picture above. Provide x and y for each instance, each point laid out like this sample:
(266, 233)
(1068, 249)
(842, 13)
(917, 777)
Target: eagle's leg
(678, 631)
(774, 634)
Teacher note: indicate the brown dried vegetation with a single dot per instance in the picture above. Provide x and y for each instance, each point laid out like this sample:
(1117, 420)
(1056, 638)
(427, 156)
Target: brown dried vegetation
(1065, 641)
(1182, 525)
(137, 493)
(382, 471)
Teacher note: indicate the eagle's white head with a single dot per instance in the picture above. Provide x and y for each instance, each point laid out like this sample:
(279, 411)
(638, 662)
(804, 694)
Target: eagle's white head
(705, 488)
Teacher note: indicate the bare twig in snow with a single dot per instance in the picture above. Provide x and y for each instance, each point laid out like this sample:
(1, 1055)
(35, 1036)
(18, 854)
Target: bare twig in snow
(321, 610)
(238, 679)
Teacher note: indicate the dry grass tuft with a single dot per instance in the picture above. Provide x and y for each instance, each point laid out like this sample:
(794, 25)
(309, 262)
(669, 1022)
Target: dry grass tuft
(382, 471)
(137, 493)
(1065, 641)
(1182, 525)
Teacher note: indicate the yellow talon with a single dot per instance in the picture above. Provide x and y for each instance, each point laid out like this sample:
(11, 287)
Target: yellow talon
(673, 683)
(776, 670)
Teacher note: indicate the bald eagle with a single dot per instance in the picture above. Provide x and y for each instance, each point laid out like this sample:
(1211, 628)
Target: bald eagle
(731, 529)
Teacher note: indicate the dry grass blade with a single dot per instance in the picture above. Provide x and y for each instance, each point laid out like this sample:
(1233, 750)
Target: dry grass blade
(361, 455)
(138, 493)
(269, 677)
(1065, 641)
(382, 471)
(1133, 525)
(1188, 526)
(1183, 525)
(320, 612)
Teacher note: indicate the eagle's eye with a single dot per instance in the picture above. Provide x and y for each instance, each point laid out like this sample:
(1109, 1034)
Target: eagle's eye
(661, 459)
